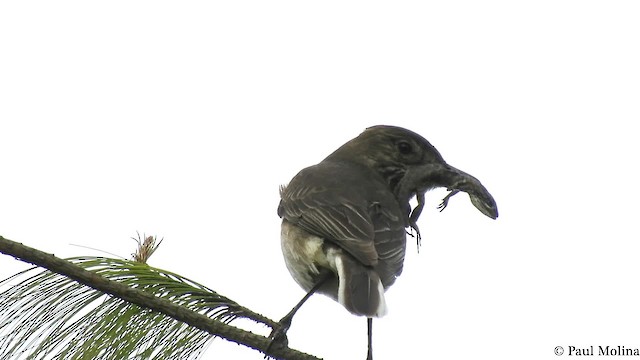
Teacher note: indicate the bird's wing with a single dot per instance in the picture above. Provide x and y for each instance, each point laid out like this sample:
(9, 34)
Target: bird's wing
(390, 240)
(334, 211)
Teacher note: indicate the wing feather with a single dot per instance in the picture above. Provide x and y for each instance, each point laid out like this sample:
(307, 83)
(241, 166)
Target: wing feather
(346, 210)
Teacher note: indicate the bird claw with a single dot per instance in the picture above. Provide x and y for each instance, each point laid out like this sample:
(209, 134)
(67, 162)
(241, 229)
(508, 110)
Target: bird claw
(278, 336)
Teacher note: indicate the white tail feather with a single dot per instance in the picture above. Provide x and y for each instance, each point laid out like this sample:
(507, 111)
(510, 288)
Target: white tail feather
(359, 288)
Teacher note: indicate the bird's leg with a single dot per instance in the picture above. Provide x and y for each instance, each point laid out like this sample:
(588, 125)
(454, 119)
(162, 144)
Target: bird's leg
(278, 335)
(445, 201)
(369, 336)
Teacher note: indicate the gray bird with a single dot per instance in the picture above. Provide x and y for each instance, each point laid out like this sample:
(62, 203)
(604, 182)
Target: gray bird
(344, 219)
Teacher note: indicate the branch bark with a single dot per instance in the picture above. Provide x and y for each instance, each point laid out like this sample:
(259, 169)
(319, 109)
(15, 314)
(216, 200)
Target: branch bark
(141, 298)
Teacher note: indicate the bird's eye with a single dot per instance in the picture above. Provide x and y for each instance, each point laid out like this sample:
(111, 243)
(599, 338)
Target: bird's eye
(404, 147)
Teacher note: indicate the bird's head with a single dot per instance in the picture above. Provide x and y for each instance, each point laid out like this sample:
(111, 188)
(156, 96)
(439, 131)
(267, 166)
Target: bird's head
(389, 150)
(410, 165)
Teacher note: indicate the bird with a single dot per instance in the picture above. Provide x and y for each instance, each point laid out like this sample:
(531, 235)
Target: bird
(345, 219)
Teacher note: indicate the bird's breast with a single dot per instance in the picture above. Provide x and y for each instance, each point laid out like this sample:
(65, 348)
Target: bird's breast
(304, 254)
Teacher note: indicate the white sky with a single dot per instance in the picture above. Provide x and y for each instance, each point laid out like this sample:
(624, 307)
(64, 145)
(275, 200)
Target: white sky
(181, 119)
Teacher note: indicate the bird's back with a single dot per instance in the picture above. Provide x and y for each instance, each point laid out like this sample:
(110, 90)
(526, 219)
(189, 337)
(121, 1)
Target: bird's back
(352, 207)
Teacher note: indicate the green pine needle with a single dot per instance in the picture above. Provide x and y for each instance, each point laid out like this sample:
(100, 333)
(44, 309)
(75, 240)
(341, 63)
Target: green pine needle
(48, 316)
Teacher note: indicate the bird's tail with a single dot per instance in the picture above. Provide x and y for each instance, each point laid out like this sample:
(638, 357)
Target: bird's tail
(359, 289)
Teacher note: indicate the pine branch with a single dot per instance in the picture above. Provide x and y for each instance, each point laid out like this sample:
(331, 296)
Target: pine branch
(143, 299)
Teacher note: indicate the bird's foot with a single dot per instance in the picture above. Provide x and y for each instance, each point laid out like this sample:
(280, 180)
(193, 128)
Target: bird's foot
(278, 335)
